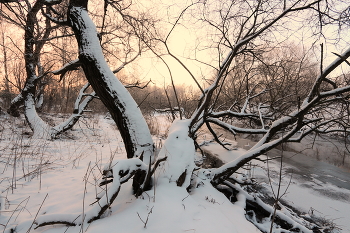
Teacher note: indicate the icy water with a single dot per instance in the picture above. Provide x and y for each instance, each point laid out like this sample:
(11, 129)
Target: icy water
(306, 168)
(310, 169)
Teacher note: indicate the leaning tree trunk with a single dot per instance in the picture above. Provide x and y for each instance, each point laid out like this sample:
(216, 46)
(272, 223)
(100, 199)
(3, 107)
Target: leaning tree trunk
(27, 96)
(115, 97)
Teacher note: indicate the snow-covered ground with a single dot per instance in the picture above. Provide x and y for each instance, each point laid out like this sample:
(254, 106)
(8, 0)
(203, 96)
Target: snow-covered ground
(43, 180)
(58, 180)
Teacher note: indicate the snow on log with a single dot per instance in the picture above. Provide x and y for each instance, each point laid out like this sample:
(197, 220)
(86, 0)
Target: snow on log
(180, 151)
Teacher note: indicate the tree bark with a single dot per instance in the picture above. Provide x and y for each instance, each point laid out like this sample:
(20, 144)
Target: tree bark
(124, 110)
(31, 59)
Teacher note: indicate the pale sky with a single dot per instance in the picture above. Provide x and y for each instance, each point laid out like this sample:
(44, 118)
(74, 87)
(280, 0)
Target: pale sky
(182, 43)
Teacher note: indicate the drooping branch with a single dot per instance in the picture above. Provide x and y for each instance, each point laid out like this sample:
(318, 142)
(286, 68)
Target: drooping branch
(79, 107)
(233, 129)
(126, 63)
(289, 125)
(138, 85)
(216, 138)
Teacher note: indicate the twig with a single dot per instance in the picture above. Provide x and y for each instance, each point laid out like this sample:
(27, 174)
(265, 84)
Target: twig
(86, 177)
(145, 222)
(37, 213)
(14, 212)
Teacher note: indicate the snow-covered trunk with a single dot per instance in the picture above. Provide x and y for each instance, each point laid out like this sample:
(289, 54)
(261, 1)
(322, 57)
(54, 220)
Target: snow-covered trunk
(39, 99)
(30, 58)
(27, 96)
(39, 127)
(116, 98)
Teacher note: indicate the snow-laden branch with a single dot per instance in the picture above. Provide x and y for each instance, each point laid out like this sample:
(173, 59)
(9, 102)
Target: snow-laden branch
(333, 92)
(254, 32)
(222, 173)
(234, 129)
(122, 171)
(283, 129)
(261, 116)
(79, 107)
(250, 97)
(309, 130)
(315, 89)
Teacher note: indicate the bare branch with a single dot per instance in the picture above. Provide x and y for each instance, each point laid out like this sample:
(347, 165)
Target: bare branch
(70, 66)
(126, 63)
(137, 85)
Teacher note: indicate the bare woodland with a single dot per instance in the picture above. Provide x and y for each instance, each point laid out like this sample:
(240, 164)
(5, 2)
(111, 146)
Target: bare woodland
(71, 58)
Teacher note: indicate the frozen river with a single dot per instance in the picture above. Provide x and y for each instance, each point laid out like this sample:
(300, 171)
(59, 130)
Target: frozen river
(309, 169)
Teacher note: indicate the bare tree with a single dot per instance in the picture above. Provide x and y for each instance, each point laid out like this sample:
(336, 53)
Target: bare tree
(31, 95)
(240, 35)
(39, 33)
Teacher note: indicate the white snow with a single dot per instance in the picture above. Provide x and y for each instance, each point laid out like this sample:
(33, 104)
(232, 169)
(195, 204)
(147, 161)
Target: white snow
(180, 152)
(169, 208)
(69, 171)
